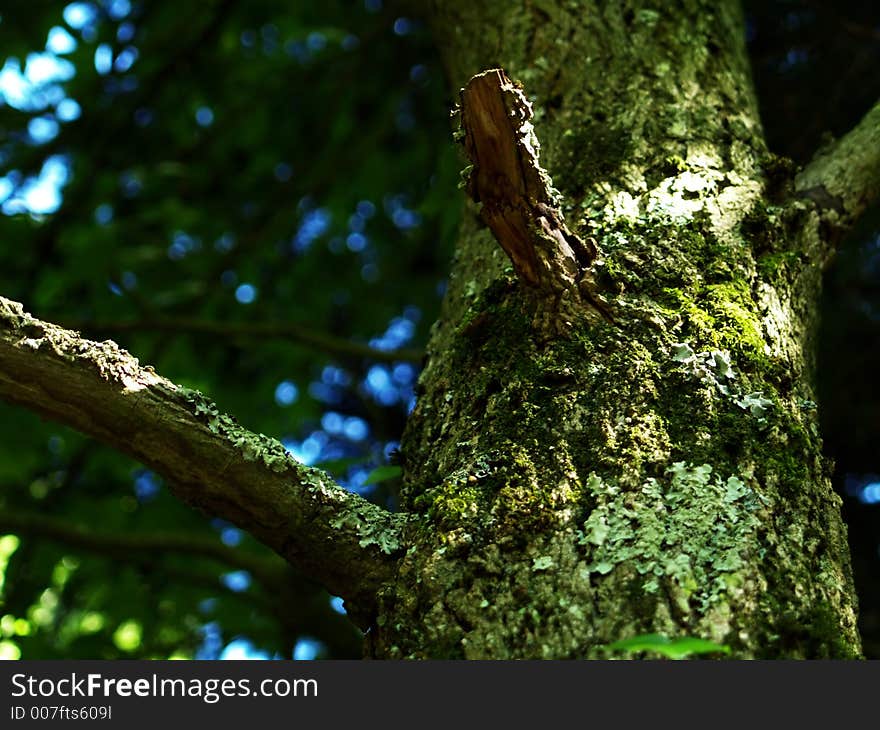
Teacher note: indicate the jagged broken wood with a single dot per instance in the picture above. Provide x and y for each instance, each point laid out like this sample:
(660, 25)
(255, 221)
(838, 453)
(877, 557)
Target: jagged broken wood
(516, 196)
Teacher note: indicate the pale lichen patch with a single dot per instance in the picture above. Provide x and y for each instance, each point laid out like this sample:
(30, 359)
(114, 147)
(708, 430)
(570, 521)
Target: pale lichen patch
(253, 447)
(384, 536)
(694, 533)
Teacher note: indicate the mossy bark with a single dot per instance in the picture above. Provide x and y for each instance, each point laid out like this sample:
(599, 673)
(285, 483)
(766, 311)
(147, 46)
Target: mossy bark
(662, 473)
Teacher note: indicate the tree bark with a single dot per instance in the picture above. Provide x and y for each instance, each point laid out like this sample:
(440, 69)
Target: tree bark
(661, 473)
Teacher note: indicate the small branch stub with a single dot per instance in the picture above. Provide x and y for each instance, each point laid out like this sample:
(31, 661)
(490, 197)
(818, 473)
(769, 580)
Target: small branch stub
(517, 199)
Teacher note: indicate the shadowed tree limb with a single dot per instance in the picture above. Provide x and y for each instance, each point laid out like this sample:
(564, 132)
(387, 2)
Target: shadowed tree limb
(333, 536)
(236, 330)
(844, 178)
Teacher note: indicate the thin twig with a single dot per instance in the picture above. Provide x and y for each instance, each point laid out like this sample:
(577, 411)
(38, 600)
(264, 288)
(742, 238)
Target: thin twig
(235, 330)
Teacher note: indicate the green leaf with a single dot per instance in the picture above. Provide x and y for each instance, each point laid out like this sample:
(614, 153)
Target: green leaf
(382, 474)
(678, 648)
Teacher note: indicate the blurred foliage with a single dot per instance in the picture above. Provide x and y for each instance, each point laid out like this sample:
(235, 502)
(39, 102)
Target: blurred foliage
(239, 182)
(241, 164)
(681, 647)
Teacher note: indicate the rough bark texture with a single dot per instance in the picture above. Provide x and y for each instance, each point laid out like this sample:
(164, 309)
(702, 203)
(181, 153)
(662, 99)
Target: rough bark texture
(662, 473)
(520, 206)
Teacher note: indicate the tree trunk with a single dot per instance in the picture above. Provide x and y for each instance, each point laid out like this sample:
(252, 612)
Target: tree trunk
(660, 470)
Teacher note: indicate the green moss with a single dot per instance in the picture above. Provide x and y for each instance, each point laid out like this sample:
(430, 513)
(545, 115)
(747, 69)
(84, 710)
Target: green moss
(594, 151)
(655, 252)
(719, 316)
(450, 504)
(815, 634)
(779, 175)
(786, 462)
(675, 164)
(823, 626)
(525, 500)
(769, 264)
(497, 314)
(770, 229)
(687, 306)
(734, 312)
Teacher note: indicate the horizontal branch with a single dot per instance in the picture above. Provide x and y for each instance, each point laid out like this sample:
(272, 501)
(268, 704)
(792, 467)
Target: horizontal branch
(121, 545)
(260, 330)
(844, 178)
(210, 462)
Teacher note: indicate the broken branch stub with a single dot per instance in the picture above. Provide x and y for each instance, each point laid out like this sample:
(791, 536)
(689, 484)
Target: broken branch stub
(517, 199)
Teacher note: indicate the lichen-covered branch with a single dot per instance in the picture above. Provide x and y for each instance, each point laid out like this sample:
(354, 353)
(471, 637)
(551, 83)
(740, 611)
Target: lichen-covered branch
(267, 571)
(515, 194)
(844, 178)
(210, 462)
